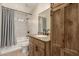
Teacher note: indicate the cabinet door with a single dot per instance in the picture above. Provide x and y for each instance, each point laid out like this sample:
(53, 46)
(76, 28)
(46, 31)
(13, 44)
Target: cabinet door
(36, 50)
(71, 30)
(57, 29)
(56, 51)
(42, 52)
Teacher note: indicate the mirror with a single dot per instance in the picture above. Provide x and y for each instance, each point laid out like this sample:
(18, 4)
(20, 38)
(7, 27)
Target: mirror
(44, 22)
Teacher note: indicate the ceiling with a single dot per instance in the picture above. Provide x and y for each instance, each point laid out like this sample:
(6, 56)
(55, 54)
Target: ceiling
(31, 6)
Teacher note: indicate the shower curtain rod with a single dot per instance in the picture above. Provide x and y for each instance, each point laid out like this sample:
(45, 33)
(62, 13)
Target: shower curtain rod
(18, 10)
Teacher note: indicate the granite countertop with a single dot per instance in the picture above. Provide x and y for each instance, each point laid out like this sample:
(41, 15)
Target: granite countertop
(44, 38)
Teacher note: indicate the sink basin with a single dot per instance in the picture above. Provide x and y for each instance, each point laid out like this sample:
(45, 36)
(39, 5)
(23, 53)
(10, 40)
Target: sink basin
(41, 35)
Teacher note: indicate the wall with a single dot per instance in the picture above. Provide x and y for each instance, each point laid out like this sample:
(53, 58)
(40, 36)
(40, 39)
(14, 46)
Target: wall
(20, 24)
(35, 13)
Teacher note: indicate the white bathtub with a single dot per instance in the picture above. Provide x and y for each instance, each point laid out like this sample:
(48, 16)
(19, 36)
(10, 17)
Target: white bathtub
(22, 42)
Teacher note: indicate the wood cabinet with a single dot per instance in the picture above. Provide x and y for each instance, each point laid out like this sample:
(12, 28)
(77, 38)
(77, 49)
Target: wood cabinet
(65, 29)
(38, 47)
(57, 31)
(71, 29)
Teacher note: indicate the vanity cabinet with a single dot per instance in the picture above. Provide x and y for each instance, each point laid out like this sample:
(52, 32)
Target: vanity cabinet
(38, 47)
(65, 29)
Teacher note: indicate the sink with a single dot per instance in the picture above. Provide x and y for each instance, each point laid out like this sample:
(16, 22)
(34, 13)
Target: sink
(42, 37)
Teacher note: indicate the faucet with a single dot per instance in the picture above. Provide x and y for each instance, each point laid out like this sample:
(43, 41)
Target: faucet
(45, 31)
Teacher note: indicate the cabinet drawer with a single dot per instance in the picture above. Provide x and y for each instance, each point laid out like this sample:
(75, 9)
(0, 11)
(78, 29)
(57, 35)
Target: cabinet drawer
(36, 41)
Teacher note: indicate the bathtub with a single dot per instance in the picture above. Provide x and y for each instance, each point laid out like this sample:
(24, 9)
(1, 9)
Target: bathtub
(21, 44)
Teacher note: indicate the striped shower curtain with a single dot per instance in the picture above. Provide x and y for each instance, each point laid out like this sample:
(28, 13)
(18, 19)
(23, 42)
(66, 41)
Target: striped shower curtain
(7, 28)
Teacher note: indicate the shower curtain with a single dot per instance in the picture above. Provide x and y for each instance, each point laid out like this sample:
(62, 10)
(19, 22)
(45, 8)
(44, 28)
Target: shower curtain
(7, 28)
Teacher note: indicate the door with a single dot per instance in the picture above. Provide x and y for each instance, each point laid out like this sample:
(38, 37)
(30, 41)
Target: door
(57, 29)
(71, 30)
